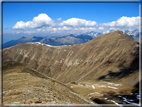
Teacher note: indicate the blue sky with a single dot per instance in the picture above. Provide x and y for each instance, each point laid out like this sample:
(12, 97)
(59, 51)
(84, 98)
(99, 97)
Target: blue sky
(50, 19)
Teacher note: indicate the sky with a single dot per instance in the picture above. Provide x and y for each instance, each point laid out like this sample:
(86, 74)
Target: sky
(56, 19)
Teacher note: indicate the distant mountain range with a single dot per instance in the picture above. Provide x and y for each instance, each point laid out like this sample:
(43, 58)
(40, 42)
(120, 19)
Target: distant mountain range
(134, 34)
(68, 39)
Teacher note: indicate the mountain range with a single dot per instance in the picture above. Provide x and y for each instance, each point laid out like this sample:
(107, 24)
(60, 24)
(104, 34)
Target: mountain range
(114, 52)
(68, 39)
(109, 61)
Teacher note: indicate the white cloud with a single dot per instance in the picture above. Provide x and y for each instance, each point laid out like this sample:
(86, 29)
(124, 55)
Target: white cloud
(112, 28)
(124, 22)
(76, 22)
(29, 32)
(83, 29)
(86, 28)
(105, 32)
(101, 28)
(66, 28)
(57, 29)
(38, 30)
(41, 20)
(59, 19)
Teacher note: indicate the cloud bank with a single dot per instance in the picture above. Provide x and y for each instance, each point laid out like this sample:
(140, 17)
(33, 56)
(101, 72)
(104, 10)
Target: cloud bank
(43, 23)
(76, 22)
(124, 22)
(43, 20)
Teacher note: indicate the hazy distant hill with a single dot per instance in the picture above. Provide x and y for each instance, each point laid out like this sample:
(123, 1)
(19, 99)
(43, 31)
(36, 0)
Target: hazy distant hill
(63, 40)
(22, 40)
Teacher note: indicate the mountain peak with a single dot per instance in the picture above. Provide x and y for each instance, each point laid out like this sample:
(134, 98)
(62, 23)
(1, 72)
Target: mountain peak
(31, 37)
(34, 36)
(69, 34)
(121, 35)
(118, 31)
(23, 37)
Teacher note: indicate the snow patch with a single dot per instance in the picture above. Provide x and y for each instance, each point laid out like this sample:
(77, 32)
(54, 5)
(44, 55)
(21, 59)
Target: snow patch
(116, 103)
(138, 96)
(111, 83)
(117, 84)
(112, 87)
(79, 84)
(92, 103)
(102, 86)
(123, 32)
(125, 99)
(39, 43)
(93, 86)
(94, 93)
(91, 93)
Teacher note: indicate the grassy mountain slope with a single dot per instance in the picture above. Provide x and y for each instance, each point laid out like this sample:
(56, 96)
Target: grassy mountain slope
(23, 85)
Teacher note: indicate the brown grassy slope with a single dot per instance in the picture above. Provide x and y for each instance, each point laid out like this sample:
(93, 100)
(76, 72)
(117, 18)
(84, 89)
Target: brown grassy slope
(23, 85)
(114, 53)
